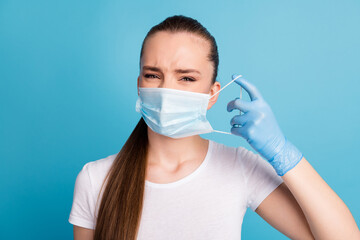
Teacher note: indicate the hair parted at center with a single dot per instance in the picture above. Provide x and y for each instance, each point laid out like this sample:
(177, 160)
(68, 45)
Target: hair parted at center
(121, 203)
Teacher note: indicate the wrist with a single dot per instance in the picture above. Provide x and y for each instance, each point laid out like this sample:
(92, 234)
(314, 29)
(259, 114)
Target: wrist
(286, 159)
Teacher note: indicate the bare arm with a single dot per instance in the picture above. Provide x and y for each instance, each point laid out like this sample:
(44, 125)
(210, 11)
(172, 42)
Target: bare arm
(281, 210)
(81, 233)
(306, 203)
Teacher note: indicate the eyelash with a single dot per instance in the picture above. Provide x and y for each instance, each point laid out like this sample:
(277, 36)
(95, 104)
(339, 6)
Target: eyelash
(148, 75)
(189, 79)
(153, 76)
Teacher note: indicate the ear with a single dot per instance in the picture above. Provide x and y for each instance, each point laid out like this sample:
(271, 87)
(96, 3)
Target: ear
(138, 79)
(214, 88)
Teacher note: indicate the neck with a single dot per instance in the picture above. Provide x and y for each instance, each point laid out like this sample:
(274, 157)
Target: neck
(164, 150)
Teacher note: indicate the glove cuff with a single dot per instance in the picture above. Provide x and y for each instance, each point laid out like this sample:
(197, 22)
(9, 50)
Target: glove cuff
(286, 159)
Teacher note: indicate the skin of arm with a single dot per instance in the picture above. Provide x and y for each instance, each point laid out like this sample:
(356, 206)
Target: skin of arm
(305, 207)
(81, 233)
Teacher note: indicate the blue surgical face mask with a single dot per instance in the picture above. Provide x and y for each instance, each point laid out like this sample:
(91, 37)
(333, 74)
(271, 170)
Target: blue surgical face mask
(175, 113)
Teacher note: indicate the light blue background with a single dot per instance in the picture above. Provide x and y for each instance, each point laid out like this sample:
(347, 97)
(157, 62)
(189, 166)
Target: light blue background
(68, 74)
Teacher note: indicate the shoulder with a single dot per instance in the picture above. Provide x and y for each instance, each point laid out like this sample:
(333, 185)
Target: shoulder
(238, 157)
(226, 157)
(237, 153)
(95, 171)
(87, 185)
(101, 165)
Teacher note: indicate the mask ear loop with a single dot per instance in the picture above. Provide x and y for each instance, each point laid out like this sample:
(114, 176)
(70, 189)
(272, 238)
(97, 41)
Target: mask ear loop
(219, 92)
(222, 132)
(226, 86)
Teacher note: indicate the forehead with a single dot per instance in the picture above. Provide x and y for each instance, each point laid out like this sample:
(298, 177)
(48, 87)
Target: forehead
(179, 49)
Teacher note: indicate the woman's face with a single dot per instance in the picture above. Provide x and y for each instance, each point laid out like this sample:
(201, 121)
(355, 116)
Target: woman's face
(179, 61)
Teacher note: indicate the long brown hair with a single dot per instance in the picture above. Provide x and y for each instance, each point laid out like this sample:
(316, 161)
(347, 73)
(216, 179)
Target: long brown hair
(122, 200)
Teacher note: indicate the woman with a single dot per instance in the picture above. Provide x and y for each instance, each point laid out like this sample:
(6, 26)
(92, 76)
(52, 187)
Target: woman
(169, 183)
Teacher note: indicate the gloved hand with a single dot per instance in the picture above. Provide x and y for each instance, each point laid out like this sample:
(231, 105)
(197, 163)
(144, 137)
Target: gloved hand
(260, 129)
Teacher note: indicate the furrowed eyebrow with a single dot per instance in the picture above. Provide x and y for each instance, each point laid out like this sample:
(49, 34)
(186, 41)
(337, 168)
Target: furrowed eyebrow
(155, 69)
(187, 71)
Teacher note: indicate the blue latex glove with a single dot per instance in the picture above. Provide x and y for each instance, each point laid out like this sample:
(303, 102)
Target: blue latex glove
(260, 129)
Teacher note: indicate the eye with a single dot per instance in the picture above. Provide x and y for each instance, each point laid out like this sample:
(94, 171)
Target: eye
(150, 76)
(188, 79)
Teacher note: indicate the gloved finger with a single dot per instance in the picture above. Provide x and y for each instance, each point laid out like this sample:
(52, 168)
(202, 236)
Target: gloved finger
(240, 119)
(241, 131)
(254, 93)
(240, 104)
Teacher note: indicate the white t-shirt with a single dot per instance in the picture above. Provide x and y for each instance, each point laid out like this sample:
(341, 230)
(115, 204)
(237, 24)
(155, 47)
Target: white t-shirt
(210, 203)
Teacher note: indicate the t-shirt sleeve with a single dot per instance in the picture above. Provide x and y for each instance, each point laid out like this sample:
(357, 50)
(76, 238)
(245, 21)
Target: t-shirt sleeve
(260, 177)
(82, 211)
